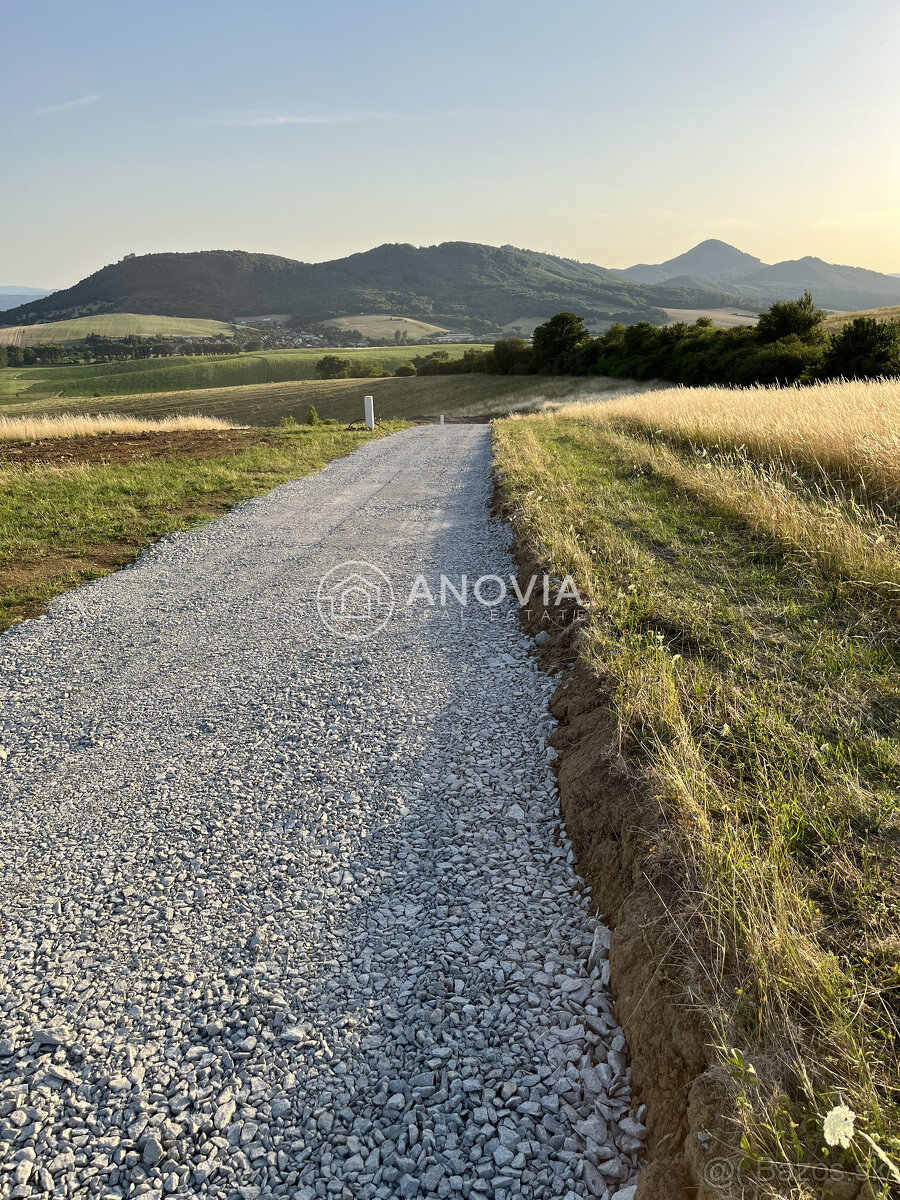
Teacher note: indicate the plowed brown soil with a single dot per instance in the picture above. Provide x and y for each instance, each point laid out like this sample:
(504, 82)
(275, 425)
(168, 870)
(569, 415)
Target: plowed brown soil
(130, 447)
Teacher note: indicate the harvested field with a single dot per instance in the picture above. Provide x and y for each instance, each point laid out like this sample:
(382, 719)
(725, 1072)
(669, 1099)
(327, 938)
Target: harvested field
(466, 397)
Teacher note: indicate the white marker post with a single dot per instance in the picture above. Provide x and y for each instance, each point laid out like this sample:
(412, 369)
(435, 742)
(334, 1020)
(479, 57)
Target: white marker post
(442, 418)
(369, 402)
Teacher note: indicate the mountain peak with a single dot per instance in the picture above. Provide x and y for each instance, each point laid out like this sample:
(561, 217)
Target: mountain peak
(712, 259)
(715, 242)
(716, 264)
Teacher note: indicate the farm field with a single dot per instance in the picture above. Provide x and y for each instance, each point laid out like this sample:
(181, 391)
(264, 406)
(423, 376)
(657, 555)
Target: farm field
(111, 325)
(459, 397)
(723, 318)
(731, 748)
(140, 376)
(377, 325)
(86, 498)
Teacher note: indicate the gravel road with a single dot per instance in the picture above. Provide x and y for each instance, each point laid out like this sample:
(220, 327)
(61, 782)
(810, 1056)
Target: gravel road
(285, 914)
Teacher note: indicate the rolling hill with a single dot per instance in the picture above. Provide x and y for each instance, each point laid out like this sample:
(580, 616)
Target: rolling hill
(379, 325)
(460, 285)
(838, 320)
(715, 264)
(110, 325)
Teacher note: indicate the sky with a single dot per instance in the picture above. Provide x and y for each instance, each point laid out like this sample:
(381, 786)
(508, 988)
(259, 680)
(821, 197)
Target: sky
(608, 132)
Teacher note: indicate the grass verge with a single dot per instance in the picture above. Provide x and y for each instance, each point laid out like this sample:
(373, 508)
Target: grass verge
(743, 617)
(63, 524)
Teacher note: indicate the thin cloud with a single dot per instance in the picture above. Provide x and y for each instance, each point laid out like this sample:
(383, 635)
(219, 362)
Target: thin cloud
(67, 105)
(257, 120)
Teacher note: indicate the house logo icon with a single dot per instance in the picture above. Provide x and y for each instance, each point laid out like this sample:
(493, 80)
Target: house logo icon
(355, 600)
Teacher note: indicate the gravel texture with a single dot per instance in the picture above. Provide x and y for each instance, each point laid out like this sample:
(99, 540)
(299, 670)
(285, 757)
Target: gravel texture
(285, 914)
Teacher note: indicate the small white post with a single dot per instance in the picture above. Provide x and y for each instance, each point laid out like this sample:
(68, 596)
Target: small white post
(442, 418)
(369, 403)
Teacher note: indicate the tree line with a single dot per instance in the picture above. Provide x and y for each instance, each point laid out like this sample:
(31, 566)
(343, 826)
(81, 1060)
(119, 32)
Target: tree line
(96, 348)
(790, 344)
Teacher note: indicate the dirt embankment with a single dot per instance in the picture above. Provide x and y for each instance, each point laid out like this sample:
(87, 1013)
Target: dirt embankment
(619, 835)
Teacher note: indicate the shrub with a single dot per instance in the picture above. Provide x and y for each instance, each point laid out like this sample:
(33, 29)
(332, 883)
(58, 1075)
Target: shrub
(862, 349)
(513, 356)
(787, 318)
(332, 367)
(312, 417)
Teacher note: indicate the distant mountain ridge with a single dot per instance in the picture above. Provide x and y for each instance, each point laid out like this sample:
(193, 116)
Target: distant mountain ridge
(463, 285)
(12, 296)
(714, 264)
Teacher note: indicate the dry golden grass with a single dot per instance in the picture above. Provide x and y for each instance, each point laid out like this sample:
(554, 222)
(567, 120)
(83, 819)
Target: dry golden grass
(815, 469)
(837, 321)
(66, 425)
(848, 430)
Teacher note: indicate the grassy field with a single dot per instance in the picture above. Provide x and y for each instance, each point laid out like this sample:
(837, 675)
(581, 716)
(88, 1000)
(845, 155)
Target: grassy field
(740, 557)
(187, 373)
(377, 325)
(111, 325)
(460, 397)
(61, 524)
(722, 318)
(836, 321)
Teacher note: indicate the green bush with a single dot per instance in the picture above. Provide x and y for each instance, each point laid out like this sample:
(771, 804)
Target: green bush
(863, 349)
(792, 318)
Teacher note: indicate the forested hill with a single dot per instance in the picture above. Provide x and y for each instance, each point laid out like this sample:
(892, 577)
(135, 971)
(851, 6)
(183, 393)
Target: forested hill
(460, 284)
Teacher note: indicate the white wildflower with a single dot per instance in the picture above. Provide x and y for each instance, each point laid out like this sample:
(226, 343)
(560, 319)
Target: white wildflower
(839, 1126)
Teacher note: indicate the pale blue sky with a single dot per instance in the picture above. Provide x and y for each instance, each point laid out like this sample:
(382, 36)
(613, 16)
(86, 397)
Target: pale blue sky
(609, 132)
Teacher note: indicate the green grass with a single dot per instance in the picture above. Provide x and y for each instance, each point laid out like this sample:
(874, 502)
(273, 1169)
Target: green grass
(459, 396)
(61, 526)
(377, 325)
(759, 696)
(140, 376)
(112, 325)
